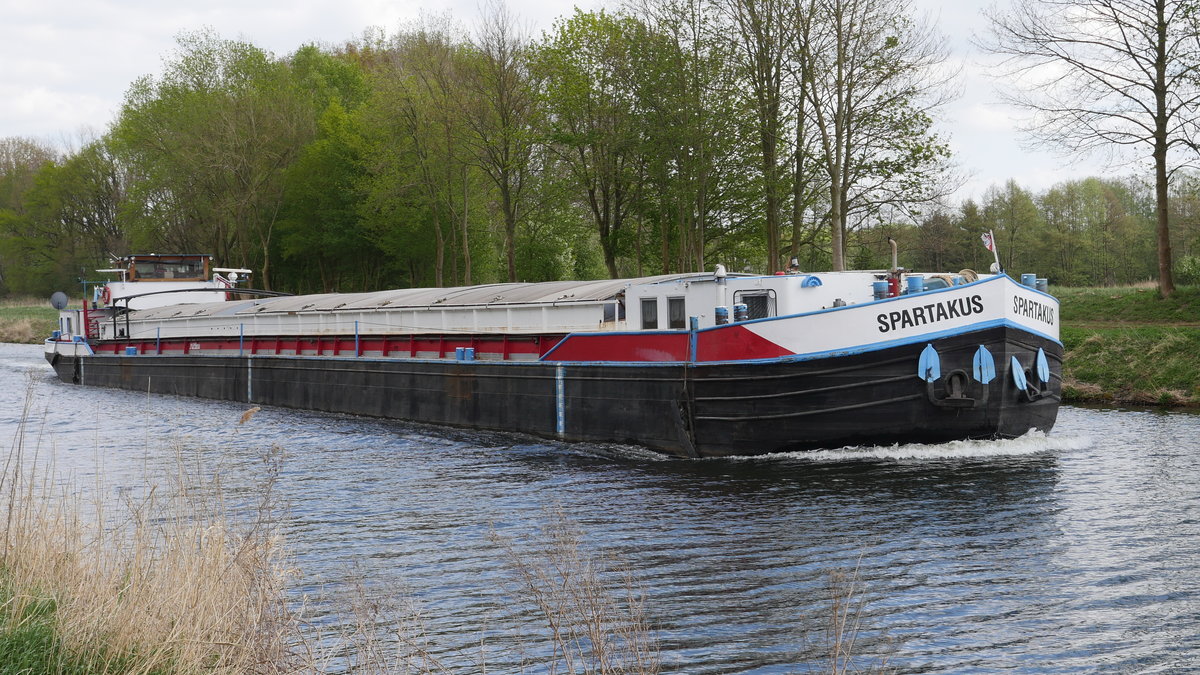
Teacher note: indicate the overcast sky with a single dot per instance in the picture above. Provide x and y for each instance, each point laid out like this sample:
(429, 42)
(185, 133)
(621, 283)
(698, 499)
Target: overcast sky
(65, 65)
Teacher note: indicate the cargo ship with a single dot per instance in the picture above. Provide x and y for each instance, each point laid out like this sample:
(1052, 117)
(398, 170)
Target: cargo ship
(696, 365)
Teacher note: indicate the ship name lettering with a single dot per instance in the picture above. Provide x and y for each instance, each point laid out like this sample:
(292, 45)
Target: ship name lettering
(1032, 309)
(931, 313)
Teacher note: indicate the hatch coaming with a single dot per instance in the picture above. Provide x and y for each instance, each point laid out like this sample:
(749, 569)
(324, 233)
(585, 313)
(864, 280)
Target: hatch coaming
(245, 319)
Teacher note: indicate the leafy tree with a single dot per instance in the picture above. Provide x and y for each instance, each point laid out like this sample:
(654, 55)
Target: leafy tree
(682, 67)
(320, 229)
(592, 125)
(766, 34)
(938, 242)
(1011, 214)
(211, 139)
(502, 114)
(419, 140)
(21, 160)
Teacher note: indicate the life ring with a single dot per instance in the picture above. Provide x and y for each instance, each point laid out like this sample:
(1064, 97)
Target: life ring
(106, 295)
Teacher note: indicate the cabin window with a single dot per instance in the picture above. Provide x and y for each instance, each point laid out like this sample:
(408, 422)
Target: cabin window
(676, 313)
(614, 311)
(649, 313)
(759, 305)
(186, 269)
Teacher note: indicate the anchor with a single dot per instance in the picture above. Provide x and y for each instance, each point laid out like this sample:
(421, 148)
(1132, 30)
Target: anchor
(956, 386)
(1022, 380)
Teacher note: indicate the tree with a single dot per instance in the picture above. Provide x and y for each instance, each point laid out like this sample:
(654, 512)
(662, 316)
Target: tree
(872, 77)
(321, 236)
(320, 227)
(22, 160)
(502, 113)
(937, 242)
(765, 32)
(696, 157)
(421, 143)
(1010, 213)
(593, 126)
(1115, 76)
(210, 140)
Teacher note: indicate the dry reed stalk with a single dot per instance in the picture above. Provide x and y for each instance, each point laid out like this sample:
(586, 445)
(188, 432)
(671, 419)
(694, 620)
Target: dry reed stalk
(590, 629)
(844, 623)
(17, 330)
(164, 583)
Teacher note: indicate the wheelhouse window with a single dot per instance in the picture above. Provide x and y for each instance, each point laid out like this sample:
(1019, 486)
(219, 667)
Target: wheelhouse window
(160, 268)
(759, 305)
(649, 313)
(676, 313)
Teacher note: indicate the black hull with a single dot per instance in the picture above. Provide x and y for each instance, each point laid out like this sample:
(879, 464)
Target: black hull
(691, 410)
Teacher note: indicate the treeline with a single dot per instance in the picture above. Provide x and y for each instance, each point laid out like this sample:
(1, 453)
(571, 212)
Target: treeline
(668, 136)
(1089, 232)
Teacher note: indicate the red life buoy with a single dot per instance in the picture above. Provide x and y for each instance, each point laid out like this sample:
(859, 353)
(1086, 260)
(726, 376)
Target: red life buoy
(106, 295)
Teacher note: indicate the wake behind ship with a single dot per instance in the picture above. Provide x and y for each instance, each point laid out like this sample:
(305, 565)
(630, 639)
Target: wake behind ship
(695, 365)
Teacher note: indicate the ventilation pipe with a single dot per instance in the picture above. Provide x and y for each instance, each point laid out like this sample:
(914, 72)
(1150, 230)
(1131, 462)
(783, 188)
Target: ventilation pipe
(894, 273)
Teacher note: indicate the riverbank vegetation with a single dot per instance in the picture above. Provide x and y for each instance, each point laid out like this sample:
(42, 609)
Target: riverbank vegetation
(1131, 346)
(26, 320)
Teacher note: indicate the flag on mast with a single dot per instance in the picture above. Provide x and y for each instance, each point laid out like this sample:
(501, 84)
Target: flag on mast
(988, 242)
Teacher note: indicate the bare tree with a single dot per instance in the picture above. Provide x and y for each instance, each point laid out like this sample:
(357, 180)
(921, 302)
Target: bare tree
(1116, 76)
(873, 75)
(765, 35)
(501, 109)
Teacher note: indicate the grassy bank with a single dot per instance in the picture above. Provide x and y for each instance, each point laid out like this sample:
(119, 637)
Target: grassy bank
(26, 320)
(1129, 346)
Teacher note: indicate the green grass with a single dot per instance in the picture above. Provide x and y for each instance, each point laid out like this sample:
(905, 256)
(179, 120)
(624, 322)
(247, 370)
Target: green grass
(1129, 346)
(1128, 304)
(26, 320)
(29, 641)
(1138, 363)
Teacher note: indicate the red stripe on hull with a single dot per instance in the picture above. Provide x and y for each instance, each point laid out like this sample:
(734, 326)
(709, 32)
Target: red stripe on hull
(622, 347)
(735, 343)
(501, 347)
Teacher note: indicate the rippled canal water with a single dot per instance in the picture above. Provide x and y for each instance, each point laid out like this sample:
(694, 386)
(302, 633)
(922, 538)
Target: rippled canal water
(1073, 552)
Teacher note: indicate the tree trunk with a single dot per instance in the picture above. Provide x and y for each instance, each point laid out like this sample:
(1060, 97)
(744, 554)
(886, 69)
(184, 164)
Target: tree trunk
(510, 231)
(466, 240)
(1166, 281)
(835, 227)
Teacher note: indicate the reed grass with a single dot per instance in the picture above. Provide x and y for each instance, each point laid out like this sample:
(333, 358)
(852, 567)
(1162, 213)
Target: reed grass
(165, 582)
(592, 609)
(844, 626)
